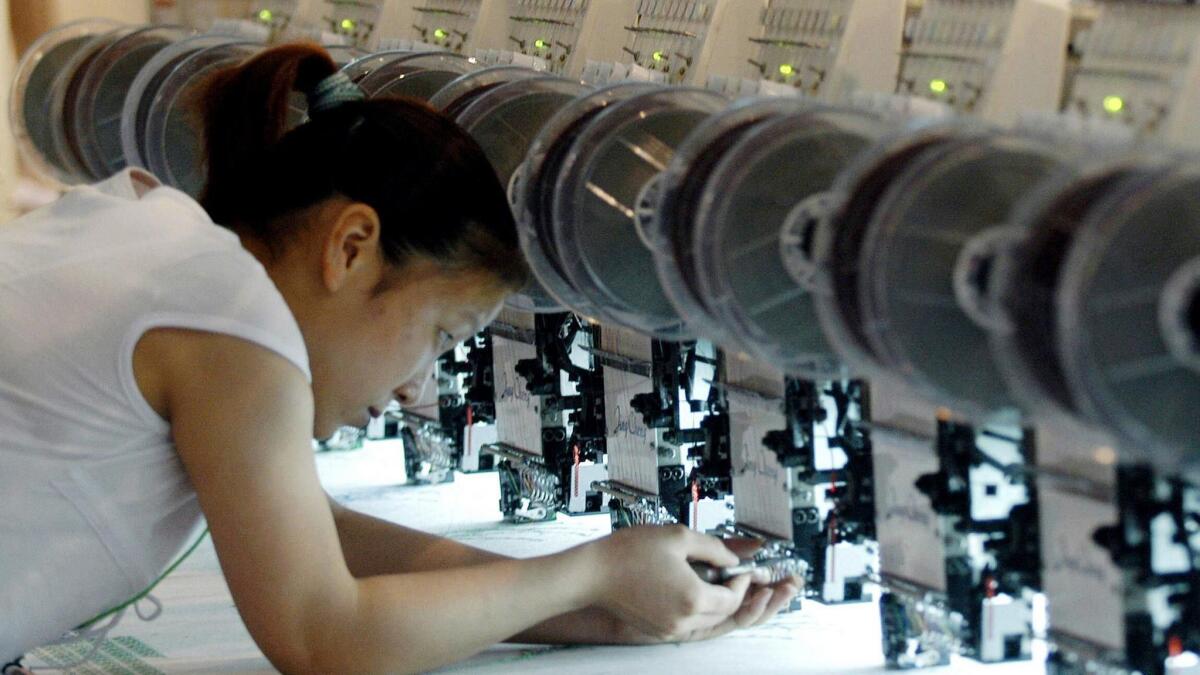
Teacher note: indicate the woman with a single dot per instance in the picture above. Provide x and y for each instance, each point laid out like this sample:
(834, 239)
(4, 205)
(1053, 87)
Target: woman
(156, 366)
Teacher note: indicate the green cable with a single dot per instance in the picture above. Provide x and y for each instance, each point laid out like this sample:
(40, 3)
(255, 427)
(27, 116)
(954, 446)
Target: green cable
(137, 598)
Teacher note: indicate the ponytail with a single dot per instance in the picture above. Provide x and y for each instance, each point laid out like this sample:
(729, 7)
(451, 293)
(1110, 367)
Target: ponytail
(433, 188)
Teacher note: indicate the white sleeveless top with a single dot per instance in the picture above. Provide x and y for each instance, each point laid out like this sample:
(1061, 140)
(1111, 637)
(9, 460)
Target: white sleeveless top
(94, 502)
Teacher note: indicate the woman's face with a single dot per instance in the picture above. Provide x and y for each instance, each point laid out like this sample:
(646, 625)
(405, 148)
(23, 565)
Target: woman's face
(389, 351)
(373, 329)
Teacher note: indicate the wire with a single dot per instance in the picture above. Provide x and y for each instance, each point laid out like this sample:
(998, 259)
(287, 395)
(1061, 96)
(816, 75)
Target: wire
(138, 598)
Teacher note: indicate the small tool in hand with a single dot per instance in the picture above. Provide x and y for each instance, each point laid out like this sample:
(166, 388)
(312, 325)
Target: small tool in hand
(718, 575)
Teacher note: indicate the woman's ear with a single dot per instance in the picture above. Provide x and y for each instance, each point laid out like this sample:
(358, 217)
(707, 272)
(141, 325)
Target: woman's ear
(351, 245)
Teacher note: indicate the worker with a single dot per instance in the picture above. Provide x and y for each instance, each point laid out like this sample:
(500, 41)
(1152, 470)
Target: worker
(164, 360)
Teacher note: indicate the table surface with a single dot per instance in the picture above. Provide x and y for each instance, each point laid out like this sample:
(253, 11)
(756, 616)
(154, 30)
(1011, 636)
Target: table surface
(199, 630)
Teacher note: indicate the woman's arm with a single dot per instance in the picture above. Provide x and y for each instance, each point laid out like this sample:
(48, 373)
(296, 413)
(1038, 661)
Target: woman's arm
(375, 546)
(242, 419)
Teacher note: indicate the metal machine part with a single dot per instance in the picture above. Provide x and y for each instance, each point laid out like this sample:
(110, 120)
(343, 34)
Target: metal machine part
(431, 453)
(549, 400)
(1147, 577)
(466, 401)
(604, 179)
(802, 474)
(529, 492)
(959, 564)
(667, 441)
(646, 473)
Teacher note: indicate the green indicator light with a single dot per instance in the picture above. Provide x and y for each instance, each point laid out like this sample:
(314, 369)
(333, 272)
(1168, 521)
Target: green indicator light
(347, 24)
(266, 15)
(541, 44)
(440, 33)
(786, 70)
(1114, 104)
(658, 56)
(938, 86)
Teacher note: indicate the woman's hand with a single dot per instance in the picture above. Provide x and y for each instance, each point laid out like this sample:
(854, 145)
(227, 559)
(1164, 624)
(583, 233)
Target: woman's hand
(656, 596)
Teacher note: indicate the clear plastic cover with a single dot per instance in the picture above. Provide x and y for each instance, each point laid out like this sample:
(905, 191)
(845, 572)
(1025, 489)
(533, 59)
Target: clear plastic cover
(604, 181)
(533, 191)
(839, 235)
(414, 75)
(1025, 277)
(1132, 251)
(504, 121)
(363, 66)
(950, 205)
(98, 106)
(462, 91)
(31, 97)
(173, 138)
(780, 168)
(65, 94)
(142, 93)
(670, 229)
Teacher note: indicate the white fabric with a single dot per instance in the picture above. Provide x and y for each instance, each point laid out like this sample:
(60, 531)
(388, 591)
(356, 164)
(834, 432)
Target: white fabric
(94, 502)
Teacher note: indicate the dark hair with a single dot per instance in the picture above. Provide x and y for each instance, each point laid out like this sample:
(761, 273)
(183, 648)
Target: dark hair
(431, 184)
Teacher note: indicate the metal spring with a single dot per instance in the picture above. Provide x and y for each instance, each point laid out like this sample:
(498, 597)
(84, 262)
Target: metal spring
(539, 486)
(782, 569)
(434, 449)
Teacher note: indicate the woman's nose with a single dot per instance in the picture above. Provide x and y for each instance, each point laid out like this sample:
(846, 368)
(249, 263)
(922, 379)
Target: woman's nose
(411, 392)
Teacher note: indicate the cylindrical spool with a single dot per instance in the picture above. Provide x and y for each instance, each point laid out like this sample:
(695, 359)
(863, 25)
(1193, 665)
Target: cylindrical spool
(416, 75)
(1118, 360)
(1179, 314)
(31, 96)
(604, 180)
(504, 121)
(1026, 277)
(174, 137)
(462, 91)
(143, 92)
(670, 229)
(838, 238)
(102, 90)
(64, 94)
(533, 201)
(775, 178)
(922, 234)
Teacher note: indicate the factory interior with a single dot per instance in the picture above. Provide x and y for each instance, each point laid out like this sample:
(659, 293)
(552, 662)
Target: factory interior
(903, 292)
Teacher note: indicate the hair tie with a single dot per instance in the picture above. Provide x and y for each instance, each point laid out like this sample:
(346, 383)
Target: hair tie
(332, 92)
